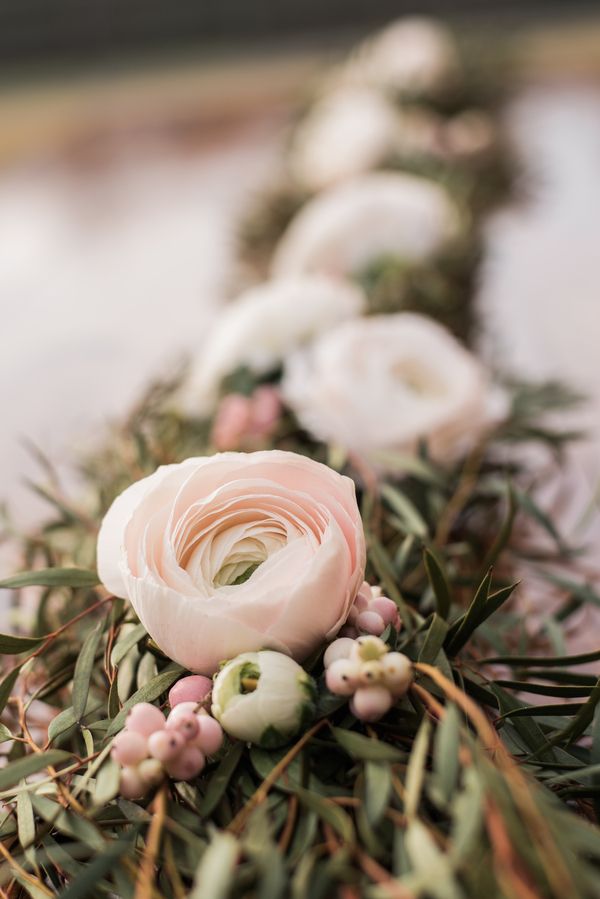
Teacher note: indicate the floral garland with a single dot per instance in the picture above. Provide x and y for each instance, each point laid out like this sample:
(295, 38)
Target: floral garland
(298, 666)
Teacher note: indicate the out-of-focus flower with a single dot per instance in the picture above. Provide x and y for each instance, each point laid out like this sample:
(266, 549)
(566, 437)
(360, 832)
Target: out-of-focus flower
(263, 697)
(387, 382)
(410, 56)
(348, 131)
(264, 324)
(350, 226)
(235, 552)
(245, 422)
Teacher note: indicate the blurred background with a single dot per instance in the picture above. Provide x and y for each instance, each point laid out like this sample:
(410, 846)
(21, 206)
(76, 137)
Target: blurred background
(132, 135)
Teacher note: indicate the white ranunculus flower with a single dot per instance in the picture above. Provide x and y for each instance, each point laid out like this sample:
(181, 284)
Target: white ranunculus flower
(264, 324)
(347, 132)
(234, 553)
(383, 383)
(263, 697)
(413, 56)
(344, 229)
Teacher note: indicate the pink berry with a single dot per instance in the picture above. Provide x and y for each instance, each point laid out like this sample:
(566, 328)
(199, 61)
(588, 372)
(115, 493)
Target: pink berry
(186, 724)
(385, 607)
(131, 785)
(210, 735)
(397, 672)
(151, 772)
(371, 703)
(129, 748)
(352, 615)
(342, 677)
(195, 688)
(145, 719)
(339, 649)
(370, 623)
(188, 764)
(184, 708)
(362, 601)
(165, 745)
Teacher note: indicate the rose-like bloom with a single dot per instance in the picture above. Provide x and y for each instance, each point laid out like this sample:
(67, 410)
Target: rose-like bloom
(348, 227)
(386, 382)
(236, 552)
(259, 328)
(413, 56)
(263, 697)
(348, 131)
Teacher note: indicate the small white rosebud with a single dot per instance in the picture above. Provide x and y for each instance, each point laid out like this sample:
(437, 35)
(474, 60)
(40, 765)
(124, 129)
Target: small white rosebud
(339, 649)
(263, 697)
(397, 672)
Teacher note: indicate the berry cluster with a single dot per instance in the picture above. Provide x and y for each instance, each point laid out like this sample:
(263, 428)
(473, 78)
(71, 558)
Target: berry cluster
(151, 747)
(371, 613)
(365, 670)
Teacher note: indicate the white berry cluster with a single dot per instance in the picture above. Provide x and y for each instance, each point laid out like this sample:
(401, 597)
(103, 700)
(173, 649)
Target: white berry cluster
(371, 613)
(151, 747)
(365, 670)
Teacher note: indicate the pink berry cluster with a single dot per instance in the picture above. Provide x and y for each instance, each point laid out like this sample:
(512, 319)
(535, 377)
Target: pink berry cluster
(151, 747)
(371, 613)
(368, 673)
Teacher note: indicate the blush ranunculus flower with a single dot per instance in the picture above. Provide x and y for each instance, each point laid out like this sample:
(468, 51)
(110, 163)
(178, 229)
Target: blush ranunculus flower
(343, 230)
(414, 55)
(236, 553)
(383, 383)
(348, 131)
(264, 324)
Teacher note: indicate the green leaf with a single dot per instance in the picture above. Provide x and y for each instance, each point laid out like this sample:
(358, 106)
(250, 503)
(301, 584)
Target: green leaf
(446, 764)
(52, 577)
(434, 640)
(220, 779)
(25, 819)
(84, 668)
(86, 883)
(484, 605)
(415, 773)
(543, 661)
(336, 817)
(6, 685)
(410, 517)
(215, 874)
(582, 719)
(366, 748)
(107, 782)
(378, 787)
(148, 693)
(5, 734)
(126, 642)
(13, 645)
(30, 764)
(439, 582)
(504, 533)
